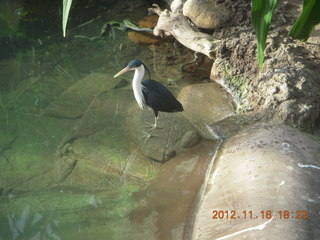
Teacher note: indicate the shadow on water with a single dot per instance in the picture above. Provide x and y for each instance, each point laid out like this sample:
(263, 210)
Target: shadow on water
(69, 168)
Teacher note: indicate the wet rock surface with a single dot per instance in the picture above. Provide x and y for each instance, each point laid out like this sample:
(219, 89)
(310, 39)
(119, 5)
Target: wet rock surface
(171, 136)
(73, 102)
(205, 104)
(227, 127)
(146, 38)
(263, 168)
(96, 148)
(178, 179)
(129, 120)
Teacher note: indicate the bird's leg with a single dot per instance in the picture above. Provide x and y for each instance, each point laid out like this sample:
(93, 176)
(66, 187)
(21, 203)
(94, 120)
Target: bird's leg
(152, 126)
(148, 125)
(155, 124)
(148, 135)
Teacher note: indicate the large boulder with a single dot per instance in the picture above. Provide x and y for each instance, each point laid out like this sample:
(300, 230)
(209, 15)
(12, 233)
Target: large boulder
(207, 14)
(266, 179)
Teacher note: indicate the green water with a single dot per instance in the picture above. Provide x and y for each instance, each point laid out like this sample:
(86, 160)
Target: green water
(49, 88)
(70, 167)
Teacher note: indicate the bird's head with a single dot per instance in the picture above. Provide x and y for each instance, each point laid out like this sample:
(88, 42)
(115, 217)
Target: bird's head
(132, 65)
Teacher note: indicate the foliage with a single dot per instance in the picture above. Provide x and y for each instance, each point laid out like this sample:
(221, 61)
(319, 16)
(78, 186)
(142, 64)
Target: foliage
(306, 22)
(65, 15)
(261, 13)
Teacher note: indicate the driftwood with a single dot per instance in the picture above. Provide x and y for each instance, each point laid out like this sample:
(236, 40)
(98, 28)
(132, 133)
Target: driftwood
(177, 25)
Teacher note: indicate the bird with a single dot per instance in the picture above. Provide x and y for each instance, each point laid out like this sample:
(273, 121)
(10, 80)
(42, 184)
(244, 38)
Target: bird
(150, 93)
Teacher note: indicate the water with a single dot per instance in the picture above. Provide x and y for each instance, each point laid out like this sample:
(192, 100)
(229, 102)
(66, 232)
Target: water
(69, 166)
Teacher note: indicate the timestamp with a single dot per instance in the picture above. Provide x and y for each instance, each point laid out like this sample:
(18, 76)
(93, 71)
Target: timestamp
(264, 214)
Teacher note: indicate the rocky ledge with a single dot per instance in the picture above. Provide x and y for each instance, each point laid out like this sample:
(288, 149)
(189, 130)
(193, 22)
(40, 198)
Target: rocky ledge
(287, 90)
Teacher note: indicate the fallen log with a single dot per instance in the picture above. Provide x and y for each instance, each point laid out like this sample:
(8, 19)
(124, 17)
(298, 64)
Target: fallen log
(176, 25)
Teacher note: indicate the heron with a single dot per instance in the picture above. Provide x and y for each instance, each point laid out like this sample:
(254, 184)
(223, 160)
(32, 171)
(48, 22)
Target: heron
(150, 93)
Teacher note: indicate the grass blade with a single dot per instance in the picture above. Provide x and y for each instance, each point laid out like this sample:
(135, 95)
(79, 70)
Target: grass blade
(261, 13)
(308, 19)
(65, 15)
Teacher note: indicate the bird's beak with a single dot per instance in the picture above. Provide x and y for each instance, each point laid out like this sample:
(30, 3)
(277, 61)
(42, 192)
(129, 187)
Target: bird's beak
(126, 69)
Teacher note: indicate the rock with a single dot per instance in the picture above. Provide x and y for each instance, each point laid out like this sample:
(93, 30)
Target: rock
(227, 127)
(28, 152)
(205, 104)
(117, 114)
(206, 14)
(102, 161)
(73, 102)
(105, 110)
(145, 38)
(169, 137)
(190, 139)
(287, 89)
(148, 21)
(100, 147)
(166, 62)
(171, 195)
(263, 168)
(176, 5)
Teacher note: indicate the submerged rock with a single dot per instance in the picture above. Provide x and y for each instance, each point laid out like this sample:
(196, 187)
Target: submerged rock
(205, 104)
(190, 139)
(146, 38)
(262, 173)
(170, 137)
(99, 153)
(110, 132)
(73, 102)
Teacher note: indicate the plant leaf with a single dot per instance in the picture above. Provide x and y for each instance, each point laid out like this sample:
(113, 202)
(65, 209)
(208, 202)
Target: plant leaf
(261, 13)
(308, 19)
(65, 15)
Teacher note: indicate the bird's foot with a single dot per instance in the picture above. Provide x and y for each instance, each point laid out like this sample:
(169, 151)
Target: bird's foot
(147, 135)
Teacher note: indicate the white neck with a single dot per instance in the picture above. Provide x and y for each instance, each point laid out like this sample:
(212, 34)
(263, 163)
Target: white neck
(137, 86)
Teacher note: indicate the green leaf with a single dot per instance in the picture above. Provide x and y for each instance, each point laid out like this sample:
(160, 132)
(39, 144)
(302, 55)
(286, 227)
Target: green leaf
(261, 13)
(65, 15)
(308, 19)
